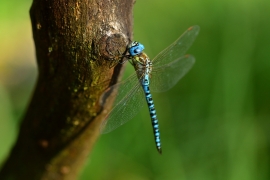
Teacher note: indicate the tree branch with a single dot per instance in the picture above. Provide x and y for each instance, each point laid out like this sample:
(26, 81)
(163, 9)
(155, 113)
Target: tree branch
(76, 42)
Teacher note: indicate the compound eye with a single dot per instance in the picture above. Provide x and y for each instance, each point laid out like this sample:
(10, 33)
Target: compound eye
(137, 51)
(135, 48)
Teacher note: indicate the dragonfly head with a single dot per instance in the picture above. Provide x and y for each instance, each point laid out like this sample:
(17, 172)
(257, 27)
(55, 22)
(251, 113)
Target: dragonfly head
(135, 48)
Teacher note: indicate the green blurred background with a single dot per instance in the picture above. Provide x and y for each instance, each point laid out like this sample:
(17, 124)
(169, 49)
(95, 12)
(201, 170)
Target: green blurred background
(214, 123)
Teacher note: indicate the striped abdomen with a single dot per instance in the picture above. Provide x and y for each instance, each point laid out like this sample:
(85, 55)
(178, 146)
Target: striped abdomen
(153, 116)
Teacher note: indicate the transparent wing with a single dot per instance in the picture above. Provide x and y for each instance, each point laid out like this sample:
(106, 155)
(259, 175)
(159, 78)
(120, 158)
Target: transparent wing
(178, 48)
(129, 101)
(165, 77)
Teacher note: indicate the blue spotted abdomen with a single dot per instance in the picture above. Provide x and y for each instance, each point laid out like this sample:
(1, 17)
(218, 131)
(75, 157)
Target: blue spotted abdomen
(153, 116)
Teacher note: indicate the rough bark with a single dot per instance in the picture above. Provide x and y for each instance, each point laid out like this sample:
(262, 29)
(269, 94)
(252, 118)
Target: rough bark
(77, 43)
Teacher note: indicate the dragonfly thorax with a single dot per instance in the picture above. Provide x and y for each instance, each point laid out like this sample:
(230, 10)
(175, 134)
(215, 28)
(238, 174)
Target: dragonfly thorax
(143, 66)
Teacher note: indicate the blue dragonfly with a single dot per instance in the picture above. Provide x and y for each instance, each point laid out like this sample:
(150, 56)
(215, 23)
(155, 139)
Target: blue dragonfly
(157, 75)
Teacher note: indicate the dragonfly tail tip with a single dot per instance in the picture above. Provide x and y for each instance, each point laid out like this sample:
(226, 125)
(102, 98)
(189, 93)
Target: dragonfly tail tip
(159, 150)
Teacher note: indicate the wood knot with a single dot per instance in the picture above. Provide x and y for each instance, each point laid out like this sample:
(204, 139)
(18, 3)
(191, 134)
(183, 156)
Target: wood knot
(113, 47)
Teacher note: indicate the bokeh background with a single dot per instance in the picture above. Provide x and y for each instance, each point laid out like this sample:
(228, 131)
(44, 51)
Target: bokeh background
(214, 123)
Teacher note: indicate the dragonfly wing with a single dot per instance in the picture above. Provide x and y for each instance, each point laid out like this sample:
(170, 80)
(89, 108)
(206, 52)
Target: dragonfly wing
(128, 102)
(165, 77)
(178, 48)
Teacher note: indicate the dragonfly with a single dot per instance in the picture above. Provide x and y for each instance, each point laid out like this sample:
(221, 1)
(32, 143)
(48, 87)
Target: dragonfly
(158, 75)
